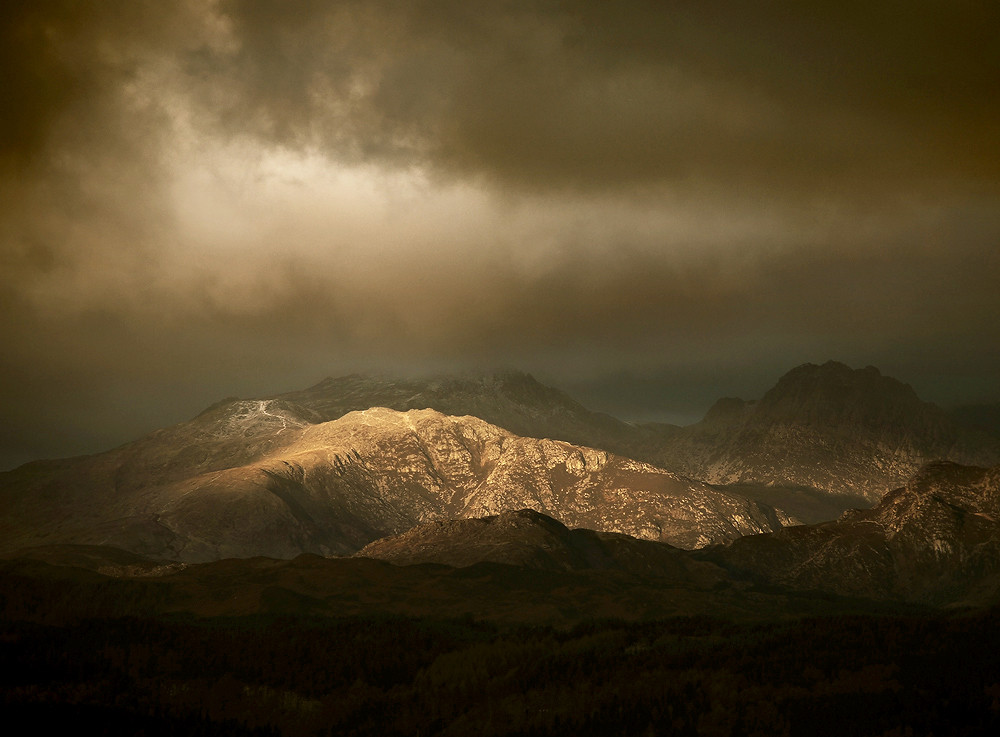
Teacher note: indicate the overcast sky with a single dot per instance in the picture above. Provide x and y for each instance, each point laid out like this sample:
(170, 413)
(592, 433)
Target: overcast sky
(201, 199)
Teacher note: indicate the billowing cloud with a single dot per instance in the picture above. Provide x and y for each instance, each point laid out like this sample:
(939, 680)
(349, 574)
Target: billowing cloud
(200, 199)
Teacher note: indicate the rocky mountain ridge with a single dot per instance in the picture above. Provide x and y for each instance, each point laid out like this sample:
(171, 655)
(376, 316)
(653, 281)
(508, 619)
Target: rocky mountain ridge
(850, 434)
(258, 478)
(513, 400)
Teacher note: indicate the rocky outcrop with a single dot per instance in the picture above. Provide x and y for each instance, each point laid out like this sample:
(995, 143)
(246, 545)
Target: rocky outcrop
(935, 540)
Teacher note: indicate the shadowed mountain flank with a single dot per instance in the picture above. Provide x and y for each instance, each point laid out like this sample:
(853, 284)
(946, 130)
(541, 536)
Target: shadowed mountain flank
(529, 539)
(828, 427)
(934, 540)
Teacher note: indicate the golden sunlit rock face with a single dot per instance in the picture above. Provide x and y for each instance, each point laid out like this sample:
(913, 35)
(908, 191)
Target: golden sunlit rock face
(260, 478)
(206, 198)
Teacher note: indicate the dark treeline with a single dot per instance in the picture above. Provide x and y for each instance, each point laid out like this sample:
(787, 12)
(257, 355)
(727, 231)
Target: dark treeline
(857, 675)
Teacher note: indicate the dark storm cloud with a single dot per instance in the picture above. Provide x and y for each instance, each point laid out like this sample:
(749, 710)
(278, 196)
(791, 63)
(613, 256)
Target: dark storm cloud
(594, 94)
(201, 199)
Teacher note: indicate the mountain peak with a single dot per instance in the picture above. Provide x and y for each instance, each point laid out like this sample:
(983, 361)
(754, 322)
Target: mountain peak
(825, 426)
(837, 374)
(835, 393)
(511, 399)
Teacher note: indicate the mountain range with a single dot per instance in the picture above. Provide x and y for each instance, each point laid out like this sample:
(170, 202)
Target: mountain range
(850, 435)
(266, 477)
(933, 543)
(435, 470)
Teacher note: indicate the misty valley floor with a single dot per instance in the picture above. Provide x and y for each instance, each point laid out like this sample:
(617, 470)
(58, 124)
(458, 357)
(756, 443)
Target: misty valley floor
(890, 674)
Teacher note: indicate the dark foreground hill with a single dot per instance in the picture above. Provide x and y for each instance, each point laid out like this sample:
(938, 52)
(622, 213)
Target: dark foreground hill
(315, 646)
(529, 539)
